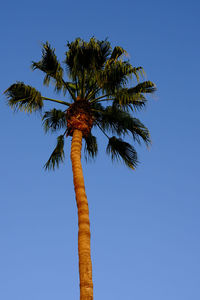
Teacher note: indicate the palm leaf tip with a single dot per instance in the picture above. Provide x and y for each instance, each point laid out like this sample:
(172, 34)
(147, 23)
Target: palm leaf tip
(50, 65)
(24, 97)
(140, 132)
(117, 52)
(144, 87)
(118, 149)
(57, 155)
(91, 147)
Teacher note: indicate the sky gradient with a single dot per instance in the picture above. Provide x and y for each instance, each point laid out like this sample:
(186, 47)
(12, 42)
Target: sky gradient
(144, 224)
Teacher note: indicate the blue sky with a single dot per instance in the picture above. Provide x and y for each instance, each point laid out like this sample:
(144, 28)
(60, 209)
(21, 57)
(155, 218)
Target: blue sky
(145, 224)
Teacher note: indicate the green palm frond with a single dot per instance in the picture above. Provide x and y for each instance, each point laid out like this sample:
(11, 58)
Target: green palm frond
(57, 155)
(50, 65)
(139, 131)
(134, 97)
(117, 52)
(120, 122)
(145, 87)
(125, 99)
(91, 87)
(114, 76)
(120, 150)
(24, 97)
(54, 120)
(137, 72)
(91, 147)
(84, 60)
(104, 52)
(88, 56)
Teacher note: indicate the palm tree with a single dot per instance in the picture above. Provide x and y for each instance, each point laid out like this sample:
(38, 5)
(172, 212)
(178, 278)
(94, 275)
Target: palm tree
(101, 95)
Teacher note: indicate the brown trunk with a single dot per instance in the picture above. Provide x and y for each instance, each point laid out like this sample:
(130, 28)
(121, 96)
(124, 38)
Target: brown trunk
(85, 264)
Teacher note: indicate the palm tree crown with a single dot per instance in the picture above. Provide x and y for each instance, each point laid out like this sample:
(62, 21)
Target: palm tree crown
(101, 95)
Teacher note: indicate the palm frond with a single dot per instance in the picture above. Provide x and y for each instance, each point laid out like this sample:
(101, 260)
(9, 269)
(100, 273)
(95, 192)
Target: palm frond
(127, 98)
(137, 72)
(126, 101)
(117, 52)
(84, 60)
(54, 120)
(145, 87)
(104, 52)
(24, 97)
(88, 56)
(113, 76)
(139, 131)
(57, 155)
(134, 97)
(120, 122)
(120, 150)
(91, 147)
(50, 65)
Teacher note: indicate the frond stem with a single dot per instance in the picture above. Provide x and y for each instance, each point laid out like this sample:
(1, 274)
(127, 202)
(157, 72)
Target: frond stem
(68, 88)
(64, 133)
(83, 84)
(58, 101)
(103, 100)
(23, 99)
(94, 100)
(93, 93)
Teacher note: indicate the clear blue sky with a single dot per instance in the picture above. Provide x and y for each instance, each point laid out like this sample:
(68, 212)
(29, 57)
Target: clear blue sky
(145, 224)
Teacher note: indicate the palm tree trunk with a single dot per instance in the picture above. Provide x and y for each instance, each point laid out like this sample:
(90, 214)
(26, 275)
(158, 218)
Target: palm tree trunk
(85, 264)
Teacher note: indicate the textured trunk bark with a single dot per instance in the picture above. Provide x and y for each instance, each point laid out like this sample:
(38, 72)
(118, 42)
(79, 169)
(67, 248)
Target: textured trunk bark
(85, 264)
